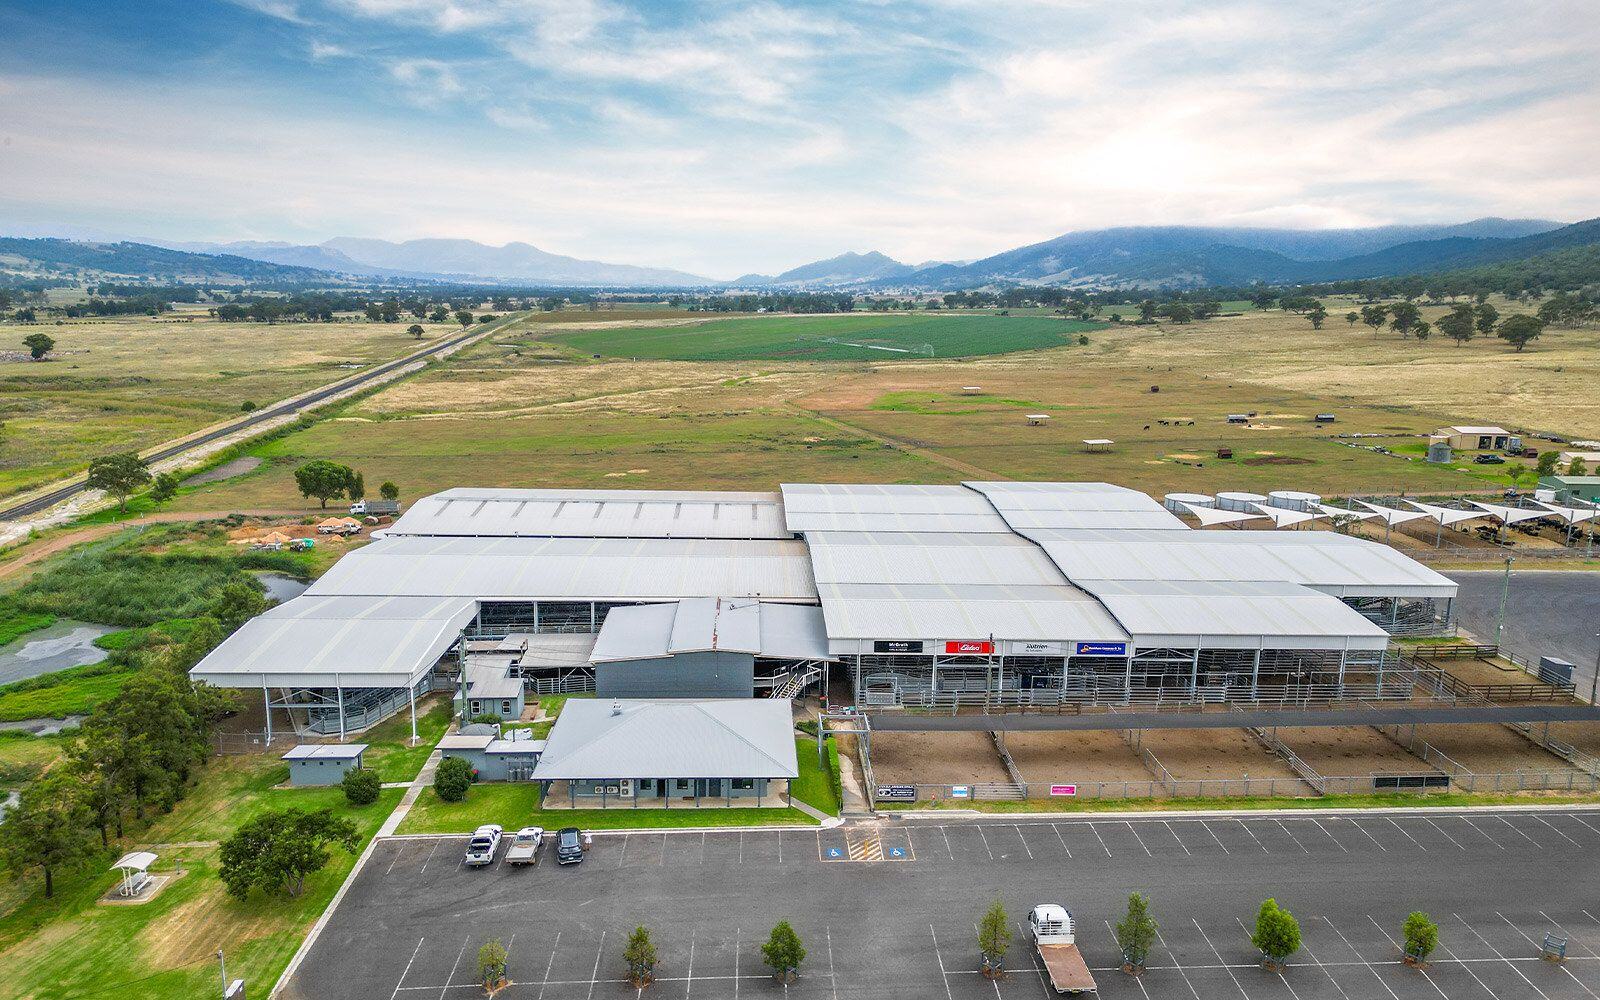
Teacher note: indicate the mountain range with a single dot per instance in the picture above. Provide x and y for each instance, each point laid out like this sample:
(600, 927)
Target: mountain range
(1134, 256)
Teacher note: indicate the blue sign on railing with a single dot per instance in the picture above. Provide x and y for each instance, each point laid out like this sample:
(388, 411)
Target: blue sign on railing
(1100, 649)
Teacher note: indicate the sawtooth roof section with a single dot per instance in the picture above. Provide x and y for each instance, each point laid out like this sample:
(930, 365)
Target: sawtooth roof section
(594, 514)
(598, 569)
(652, 631)
(1075, 505)
(735, 738)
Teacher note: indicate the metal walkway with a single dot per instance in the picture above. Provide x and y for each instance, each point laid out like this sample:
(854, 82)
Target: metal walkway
(1375, 715)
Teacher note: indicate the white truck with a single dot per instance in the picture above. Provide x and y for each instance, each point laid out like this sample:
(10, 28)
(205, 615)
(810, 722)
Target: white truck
(375, 508)
(1053, 936)
(524, 849)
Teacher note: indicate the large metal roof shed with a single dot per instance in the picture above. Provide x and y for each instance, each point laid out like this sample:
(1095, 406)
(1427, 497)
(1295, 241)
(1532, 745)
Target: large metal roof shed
(594, 514)
(732, 738)
(347, 642)
(581, 569)
(1074, 505)
(1189, 613)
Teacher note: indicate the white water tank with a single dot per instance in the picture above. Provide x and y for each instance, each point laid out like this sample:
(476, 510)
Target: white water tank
(1293, 499)
(1176, 502)
(1239, 501)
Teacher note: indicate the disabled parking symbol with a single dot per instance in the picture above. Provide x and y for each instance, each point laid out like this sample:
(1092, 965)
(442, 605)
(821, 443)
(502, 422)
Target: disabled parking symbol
(897, 852)
(834, 853)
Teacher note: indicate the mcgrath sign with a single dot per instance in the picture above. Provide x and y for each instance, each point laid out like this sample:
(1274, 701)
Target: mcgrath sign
(897, 646)
(1100, 649)
(959, 646)
(897, 793)
(1063, 789)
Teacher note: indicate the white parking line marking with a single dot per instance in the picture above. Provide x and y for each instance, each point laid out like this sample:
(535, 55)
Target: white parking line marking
(985, 842)
(1369, 836)
(741, 845)
(1140, 839)
(1220, 959)
(1110, 930)
(1331, 837)
(1447, 836)
(1469, 822)
(1585, 822)
(453, 968)
(1520, 832)
(1536, 944)
(1498, 955)
(1563, 930)
(407, 970)
(1063, 840)
(399, 850)
(1215, 837)
(662, 859)
(1252, 834)
(689, 982)
(1178, 966)
(1408, 836)
(780, 845)
(550, 964)
(832, 976)
(1359, 957)
(947, 848)
(1177, 838)
(736, 933)
(596, 972)
(944, 976)
(1558, 830)
(1102, 840)
(1292, 837)
(624, 852)
(702, 847)
(429, 858)
(1024, 840)
(1424, 972)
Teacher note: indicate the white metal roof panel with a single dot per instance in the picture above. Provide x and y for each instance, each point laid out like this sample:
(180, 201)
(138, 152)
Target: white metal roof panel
(739, 738)
(352, 641)
(929, 557)
(705, 625)
(1323, 560)
(932, 611)
(595, 514)
(1240, 615)
(602, 569)
(887, 508)
(325, 751)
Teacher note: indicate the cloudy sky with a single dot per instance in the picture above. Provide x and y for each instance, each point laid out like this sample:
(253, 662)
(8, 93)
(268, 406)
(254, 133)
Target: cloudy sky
(723, 137)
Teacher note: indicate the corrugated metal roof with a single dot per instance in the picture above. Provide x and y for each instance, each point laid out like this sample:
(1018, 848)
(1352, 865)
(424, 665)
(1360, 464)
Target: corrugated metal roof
(603, 569)
(1188, 613)
(355, 641)
(1322, 560)
(1075, 505)
(736, 738)
(706, 625)
(885, 508)
(929, 557)
(903, 611)
(594, 514)
(325, 751)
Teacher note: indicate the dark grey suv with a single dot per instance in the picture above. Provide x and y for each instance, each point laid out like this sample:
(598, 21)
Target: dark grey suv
(569, 846)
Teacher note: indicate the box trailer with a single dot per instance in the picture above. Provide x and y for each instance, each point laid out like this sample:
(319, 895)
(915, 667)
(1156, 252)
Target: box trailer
(1053, 936)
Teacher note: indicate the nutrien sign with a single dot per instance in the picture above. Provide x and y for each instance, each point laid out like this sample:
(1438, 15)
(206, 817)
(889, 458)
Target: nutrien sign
(962, 647)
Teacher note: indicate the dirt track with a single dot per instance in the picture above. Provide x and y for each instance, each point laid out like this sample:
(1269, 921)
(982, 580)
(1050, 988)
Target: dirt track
(15, 560)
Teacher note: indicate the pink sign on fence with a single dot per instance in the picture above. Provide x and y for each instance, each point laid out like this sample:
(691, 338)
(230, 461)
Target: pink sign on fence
(1063, 789)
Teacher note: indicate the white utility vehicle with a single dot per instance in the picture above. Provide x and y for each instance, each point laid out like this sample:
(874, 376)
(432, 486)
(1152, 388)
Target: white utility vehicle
(524, 849)
(1058, 949)
(482, 846)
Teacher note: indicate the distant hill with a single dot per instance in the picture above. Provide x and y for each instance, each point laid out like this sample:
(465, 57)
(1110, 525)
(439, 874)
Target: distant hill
(1199, 255)
(291, 255)
(141, 260)
(512, 262)
(845, 269)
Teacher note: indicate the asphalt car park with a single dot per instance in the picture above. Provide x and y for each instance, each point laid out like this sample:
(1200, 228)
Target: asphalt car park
(889, 909)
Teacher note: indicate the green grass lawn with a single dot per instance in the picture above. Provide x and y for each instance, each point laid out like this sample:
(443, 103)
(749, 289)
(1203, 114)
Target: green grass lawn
(24, 757)
(855, 337)
(517, 804)
(16, 623)
(389, 750)
(166, 949)
(817, 786)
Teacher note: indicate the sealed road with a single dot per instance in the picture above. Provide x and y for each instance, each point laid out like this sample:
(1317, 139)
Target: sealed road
(1548, 613)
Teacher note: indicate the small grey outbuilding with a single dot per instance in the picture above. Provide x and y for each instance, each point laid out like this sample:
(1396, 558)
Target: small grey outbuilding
(313, 764)
(511, 756)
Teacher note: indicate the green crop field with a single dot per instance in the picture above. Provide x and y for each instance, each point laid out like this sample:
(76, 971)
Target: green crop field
(844, 337)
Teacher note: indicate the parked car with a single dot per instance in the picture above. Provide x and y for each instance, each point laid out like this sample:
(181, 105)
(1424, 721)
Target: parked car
(1489, 458)
(524, 849)
(483, 845)
(569, 846)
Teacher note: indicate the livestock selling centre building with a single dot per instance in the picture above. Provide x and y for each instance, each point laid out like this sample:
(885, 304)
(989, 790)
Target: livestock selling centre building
(877, 595)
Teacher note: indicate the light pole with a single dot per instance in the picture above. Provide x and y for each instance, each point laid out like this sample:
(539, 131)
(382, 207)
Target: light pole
(1505, 592)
